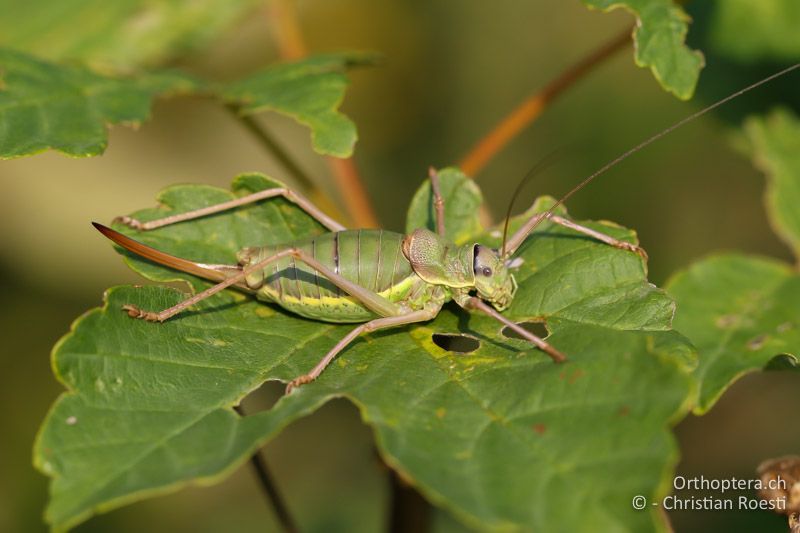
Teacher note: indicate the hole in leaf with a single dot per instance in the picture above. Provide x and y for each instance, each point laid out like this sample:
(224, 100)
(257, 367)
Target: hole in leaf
(783, 361)
(538, 328)
(261, 399)
(456, 343)
(756, 343)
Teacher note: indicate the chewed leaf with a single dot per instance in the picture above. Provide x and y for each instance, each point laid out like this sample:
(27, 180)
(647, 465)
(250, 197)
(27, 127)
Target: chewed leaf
(660, 36)
(68, 108)
(776, 147)
(740, 312)
(310, 91)
(497, 433)
(120, 35)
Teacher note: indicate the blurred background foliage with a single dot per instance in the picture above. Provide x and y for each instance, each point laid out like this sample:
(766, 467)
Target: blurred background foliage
(450, 71)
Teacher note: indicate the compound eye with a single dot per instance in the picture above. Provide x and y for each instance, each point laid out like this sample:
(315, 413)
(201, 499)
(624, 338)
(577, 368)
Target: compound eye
(487, 271)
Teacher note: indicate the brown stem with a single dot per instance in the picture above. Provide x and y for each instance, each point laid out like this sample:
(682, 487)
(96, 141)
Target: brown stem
(410, 512)
(353, 193)
(288, 36)
(270, 490)
(267, 141)
(530, 109)
(265, 478)
(289, 39)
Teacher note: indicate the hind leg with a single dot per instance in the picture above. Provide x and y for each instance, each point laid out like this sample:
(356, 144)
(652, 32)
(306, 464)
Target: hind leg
(294, 197)
(371, 300)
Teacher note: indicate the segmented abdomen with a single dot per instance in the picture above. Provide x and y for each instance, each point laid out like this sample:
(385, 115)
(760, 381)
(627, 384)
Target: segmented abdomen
(373, 259)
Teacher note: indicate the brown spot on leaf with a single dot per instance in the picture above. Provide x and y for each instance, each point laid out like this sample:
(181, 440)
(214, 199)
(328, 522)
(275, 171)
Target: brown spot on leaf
(577, 373)
(624, 410)
(440, 412)
(726, 321)
(540, 428)
(758, 342)
(571, 377)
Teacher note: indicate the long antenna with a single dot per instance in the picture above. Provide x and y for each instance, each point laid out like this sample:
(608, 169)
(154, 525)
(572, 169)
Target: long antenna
(625, 155)
(537, 168)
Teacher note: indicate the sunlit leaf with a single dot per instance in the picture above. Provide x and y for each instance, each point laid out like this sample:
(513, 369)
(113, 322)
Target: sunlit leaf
(776, 148)
(502, 437)
(310, 91)
(118, 34)
(740, 312)
(660, 35)
(69, 108)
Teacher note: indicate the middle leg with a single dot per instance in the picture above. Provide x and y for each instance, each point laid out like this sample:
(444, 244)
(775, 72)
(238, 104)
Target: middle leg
(478, 304)
(602, 237)
(379, 323)
(294, 197)
(438, 201)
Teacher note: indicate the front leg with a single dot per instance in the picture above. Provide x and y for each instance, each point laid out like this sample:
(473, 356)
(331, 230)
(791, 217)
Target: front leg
(472, 302)
(516, 240)
(602, 237)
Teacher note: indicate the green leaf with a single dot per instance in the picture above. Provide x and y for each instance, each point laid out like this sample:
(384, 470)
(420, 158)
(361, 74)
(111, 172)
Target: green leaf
(119, 35)
(461, 210)
(588, 291)
(502, 437)
(775, 141)
(310, 91)
(740, 312)
(751, 31)
(66, 108)
(660, 35)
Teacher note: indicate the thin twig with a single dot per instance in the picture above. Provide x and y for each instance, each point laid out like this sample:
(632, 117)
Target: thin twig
(263, 136)
(353, 192)
(270, 490)
(530, 109)
(289, 39)
(410, 512)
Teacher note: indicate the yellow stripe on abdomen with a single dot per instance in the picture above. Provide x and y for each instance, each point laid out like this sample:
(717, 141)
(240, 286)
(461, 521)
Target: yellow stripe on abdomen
(336, 309)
